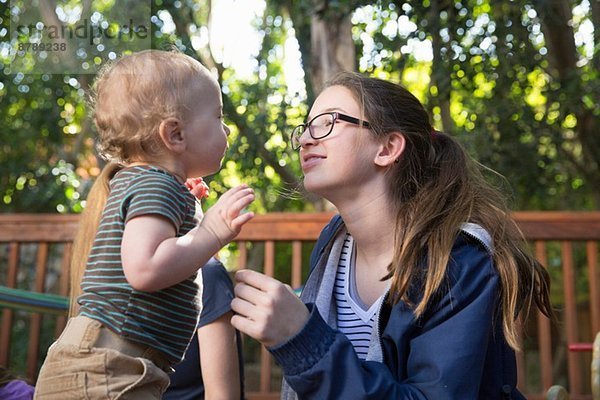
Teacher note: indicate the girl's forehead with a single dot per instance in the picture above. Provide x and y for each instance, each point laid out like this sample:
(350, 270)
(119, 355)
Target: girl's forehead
(336, 98)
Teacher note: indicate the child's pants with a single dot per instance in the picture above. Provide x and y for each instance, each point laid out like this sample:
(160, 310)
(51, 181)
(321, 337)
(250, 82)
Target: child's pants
(89, 361)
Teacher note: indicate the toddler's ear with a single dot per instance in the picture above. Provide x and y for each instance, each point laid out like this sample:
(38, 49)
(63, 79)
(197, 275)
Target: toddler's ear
(170, 133)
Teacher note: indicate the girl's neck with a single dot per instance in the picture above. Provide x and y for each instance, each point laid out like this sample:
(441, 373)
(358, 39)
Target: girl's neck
(372, 223)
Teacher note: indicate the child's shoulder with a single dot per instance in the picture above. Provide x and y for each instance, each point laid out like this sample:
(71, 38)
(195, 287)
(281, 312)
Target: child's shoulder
(146, 175)
(148, 183)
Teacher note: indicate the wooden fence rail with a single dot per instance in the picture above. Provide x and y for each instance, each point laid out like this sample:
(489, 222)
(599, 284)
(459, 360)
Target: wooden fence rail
(35, 251)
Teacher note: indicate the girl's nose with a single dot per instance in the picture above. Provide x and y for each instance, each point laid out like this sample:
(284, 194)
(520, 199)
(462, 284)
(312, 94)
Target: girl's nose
(306, 139)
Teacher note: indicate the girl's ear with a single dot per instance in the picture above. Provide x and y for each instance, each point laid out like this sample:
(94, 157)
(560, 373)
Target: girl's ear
(390, 149)
(170, 132)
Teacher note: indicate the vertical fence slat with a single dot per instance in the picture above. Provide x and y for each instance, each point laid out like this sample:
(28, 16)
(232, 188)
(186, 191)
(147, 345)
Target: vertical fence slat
(65, 271)
(242, 262)
(571, 316)
(243, 257)
(36, 318)
(265, 357)
(594, 277)
(544, 332)
(296, 264)
(7, 314)
(269, 257)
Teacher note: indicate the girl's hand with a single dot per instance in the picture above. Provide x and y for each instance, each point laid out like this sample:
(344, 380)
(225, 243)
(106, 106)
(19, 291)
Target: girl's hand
(267, 309)
(225, 219)
(198, 187)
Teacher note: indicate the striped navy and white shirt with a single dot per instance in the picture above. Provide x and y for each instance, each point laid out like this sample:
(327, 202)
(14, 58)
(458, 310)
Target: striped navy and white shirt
(165, 319)
(354, 318)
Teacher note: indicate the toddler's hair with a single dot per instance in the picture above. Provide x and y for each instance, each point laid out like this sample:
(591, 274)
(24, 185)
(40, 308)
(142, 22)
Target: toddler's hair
(133, 95)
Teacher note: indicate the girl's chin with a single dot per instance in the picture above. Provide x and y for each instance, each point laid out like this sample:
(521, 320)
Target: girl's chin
(314, 186)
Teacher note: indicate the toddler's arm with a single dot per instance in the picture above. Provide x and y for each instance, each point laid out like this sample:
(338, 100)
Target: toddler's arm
(153, 258)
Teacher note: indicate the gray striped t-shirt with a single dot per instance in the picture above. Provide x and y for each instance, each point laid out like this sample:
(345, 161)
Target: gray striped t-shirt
(165, 319)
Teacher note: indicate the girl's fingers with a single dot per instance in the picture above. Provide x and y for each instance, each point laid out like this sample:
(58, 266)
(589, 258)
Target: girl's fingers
(268, 310)
(246, 318)
(245, 325)
(242, 307)
(256, 279)
(250, 294)
(250, 320)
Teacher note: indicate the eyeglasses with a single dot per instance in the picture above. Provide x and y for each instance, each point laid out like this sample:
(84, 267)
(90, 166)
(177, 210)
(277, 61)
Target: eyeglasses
(322, 125)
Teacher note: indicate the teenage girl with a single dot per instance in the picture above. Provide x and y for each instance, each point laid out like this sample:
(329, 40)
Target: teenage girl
(416, 286)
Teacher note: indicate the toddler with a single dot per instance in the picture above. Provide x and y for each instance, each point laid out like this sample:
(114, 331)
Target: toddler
(159, 118)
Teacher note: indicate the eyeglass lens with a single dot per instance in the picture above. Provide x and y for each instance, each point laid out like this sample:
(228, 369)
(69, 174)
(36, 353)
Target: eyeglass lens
(319, 127)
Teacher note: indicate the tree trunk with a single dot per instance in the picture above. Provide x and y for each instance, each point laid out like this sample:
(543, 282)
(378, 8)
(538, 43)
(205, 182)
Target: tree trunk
(332, 48)
(441, 68)
(558, 31)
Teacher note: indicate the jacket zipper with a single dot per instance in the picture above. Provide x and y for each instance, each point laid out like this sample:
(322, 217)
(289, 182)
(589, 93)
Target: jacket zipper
(378, 322)
(478, 239)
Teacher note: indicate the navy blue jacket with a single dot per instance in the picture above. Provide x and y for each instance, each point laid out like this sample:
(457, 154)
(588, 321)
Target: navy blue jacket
(456, 350)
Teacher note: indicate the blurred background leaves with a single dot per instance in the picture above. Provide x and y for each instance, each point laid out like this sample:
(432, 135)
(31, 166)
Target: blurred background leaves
(518, 82)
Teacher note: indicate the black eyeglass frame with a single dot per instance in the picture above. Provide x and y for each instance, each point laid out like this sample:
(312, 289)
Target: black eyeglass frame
(336, 115)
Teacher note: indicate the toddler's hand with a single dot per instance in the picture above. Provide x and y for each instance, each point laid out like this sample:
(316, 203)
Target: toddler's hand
(225, 219)
(197, 187)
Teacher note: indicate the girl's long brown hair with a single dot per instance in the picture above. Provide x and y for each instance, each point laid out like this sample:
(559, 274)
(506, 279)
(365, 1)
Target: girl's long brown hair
(434, 188)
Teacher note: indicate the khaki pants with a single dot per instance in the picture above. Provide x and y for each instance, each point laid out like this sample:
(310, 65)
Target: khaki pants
(89, 361)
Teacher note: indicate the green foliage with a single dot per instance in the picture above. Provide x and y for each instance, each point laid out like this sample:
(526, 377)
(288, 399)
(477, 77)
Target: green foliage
(492, 74)
(40, 115)
(486, 70)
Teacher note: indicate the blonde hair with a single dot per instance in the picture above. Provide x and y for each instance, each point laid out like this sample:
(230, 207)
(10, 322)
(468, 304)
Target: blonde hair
(434, 188)
(131, 97)
(134, 95)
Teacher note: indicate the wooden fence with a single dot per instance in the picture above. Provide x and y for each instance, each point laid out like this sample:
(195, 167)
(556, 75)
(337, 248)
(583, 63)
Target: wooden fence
(35, 250)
